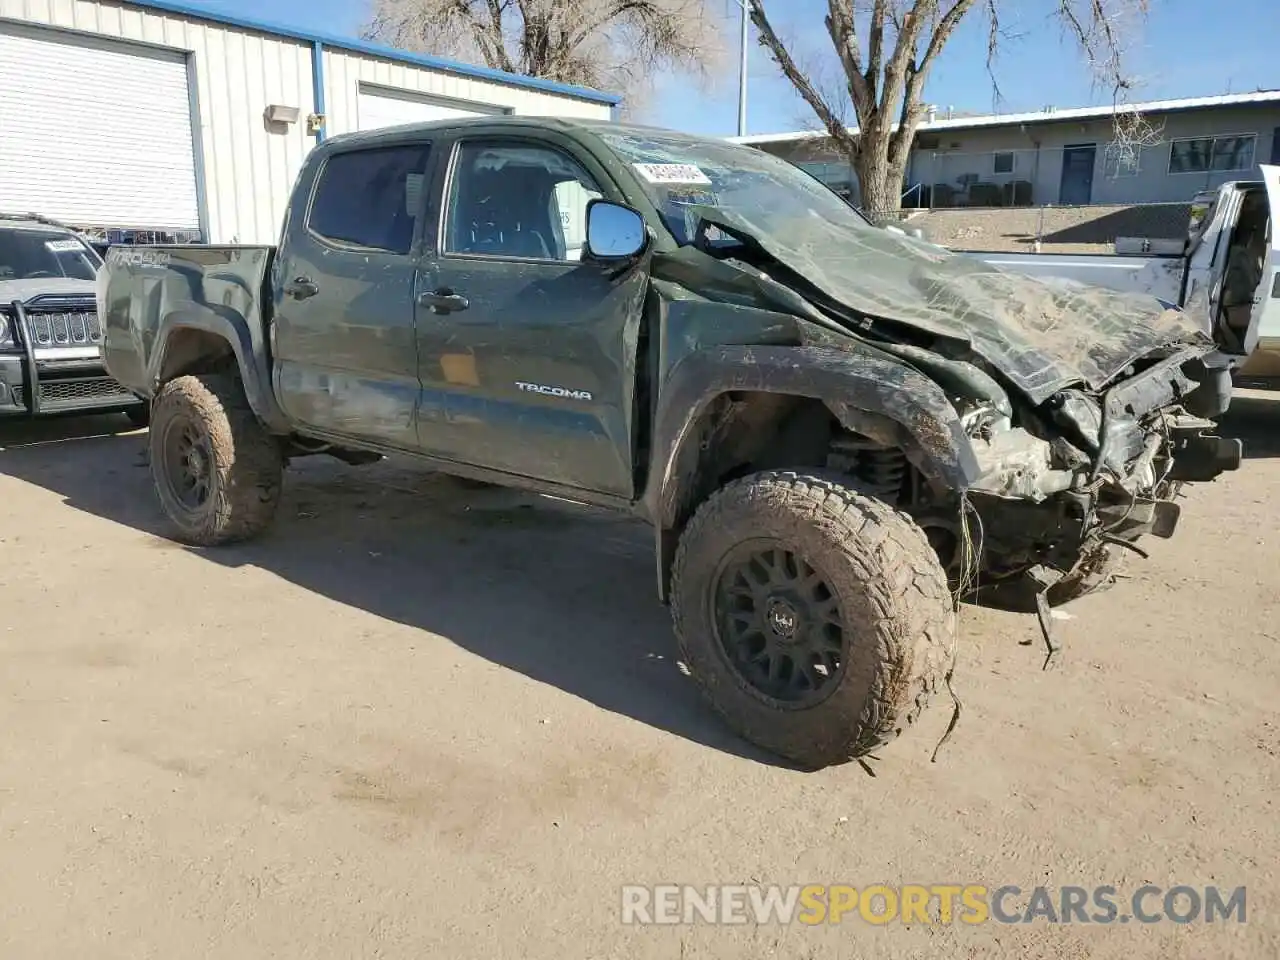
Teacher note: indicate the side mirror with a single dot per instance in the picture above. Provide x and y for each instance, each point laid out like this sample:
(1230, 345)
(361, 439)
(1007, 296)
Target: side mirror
(614, 232)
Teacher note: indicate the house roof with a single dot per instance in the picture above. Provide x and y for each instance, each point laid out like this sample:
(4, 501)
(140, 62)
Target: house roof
(1045, 116)
(333, 41)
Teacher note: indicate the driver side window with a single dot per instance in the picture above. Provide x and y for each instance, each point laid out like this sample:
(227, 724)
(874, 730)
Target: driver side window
(517, 201)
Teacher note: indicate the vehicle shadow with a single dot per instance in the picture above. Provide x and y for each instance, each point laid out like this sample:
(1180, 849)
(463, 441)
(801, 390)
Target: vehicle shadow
(32, 432)
(558, 592)
(1254, 418)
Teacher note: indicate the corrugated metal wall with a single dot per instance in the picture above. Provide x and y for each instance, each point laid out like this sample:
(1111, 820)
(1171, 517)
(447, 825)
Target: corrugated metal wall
(246, 170)
(344, 71)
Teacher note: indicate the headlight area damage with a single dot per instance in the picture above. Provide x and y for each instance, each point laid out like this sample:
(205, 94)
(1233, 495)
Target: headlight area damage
(1060, 496)
(1074, 402)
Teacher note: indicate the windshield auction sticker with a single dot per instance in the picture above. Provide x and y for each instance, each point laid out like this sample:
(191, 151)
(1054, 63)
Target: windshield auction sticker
(671, 173)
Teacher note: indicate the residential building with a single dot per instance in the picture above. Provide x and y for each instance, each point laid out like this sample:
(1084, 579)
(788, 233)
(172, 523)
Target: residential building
(1067, 156)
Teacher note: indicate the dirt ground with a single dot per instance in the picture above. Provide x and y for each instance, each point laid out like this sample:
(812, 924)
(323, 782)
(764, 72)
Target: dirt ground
(421, 721)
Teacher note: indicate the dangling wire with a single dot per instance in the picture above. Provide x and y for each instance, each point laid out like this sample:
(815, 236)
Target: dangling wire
(966, 582)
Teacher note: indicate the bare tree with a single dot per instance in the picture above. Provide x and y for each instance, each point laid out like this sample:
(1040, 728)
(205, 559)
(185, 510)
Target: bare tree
(616, 45)
(885, 49)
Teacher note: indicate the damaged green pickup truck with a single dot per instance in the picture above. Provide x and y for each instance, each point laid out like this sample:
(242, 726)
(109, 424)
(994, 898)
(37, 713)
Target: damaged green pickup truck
(835, 430)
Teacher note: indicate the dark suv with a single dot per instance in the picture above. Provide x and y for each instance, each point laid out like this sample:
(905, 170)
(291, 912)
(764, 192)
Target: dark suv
(50, 338)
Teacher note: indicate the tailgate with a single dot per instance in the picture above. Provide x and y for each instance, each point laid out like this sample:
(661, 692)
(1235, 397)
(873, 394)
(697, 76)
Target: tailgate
(145, 291)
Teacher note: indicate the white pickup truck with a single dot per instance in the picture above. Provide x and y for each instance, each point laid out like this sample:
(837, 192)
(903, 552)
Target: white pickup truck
(1226, 271)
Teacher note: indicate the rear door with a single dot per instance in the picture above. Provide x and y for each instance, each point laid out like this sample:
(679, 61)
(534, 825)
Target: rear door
(343, 337)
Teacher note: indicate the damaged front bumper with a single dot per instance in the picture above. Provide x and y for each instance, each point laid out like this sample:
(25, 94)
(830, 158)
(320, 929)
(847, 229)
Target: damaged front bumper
(1053, 512)
(1119, 459)
(1150, 404)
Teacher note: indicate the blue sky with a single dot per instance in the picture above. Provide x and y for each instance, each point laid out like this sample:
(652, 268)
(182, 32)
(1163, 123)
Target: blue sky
(1186, 48)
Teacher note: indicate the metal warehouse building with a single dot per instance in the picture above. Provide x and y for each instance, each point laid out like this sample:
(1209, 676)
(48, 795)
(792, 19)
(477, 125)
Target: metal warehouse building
(154, 115)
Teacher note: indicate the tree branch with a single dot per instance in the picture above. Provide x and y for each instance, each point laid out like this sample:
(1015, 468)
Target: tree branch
(495, 53)
(844, 36)
(903, 56)
(876, 38)
(781, 56)
(943, 31)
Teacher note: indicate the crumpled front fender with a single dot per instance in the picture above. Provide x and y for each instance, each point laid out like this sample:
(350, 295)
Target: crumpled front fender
(874, 395)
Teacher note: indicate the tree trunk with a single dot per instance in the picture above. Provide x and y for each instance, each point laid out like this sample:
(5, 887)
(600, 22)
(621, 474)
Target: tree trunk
(879, 197)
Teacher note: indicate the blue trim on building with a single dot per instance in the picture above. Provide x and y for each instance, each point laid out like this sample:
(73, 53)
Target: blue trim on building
(317, 84)
(378, 50)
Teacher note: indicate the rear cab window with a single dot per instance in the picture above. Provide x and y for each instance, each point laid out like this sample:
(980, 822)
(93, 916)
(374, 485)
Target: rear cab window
(27, 254)
(371, 198)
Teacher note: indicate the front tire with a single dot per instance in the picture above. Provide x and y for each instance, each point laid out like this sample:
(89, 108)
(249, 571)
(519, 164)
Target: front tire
(216, 469)
(816, 620)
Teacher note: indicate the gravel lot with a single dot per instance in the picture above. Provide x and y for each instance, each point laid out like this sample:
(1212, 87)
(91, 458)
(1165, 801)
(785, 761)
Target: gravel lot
(421, 721)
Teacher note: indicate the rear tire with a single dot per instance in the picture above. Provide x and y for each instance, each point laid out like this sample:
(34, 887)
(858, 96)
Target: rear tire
(791, 568)
(216, 468)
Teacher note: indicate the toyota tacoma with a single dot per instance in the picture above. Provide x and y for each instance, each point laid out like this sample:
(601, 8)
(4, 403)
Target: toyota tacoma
(837, 431)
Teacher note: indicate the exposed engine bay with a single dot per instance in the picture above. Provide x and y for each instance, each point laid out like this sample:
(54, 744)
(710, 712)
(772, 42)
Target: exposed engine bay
(1062, 487)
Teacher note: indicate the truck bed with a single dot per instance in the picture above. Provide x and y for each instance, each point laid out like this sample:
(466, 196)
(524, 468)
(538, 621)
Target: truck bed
(144, 289)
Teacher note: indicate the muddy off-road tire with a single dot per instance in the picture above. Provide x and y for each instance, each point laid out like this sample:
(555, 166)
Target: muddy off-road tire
(216, 469)
(816, 620)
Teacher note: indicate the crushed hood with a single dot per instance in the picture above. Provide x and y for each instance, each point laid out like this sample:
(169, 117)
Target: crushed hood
(1041, 334)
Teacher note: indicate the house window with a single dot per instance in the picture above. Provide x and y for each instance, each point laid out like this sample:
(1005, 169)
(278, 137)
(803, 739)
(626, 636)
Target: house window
(1002, 163)
(1122, 161)
(1204, 154)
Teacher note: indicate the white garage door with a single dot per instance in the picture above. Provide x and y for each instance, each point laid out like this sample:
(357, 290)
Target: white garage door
(95, 134)
(379, 107)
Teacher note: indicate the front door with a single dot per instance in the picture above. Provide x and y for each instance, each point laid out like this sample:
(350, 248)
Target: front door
(344, 350)
(527, 355)
(1077, 174)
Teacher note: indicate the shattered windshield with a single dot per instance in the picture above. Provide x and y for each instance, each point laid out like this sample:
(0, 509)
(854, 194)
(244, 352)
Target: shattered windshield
(683, 173)
(1042, 334)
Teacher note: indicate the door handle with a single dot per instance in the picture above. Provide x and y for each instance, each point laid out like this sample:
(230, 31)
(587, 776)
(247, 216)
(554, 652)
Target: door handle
(300, 288)
(443, 300)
